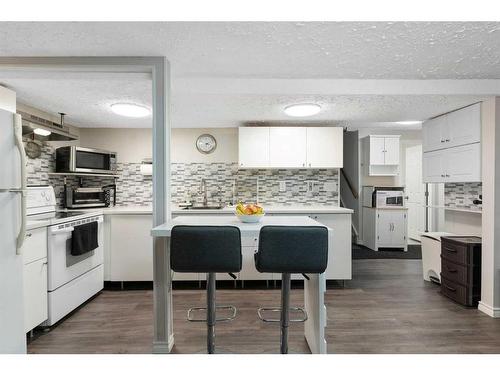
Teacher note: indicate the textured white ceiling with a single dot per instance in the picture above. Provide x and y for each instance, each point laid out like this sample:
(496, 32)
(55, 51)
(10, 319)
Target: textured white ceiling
(419, 50)
(255, 50)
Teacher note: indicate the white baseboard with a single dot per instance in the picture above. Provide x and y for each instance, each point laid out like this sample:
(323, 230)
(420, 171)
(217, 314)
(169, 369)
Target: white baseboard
(160, 347)
(494, 312)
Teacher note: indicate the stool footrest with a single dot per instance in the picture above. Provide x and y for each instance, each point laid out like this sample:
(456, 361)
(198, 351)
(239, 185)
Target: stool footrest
(277, 309)
(222, 307)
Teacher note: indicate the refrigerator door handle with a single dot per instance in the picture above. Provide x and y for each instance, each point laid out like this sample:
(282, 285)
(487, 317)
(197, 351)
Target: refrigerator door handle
(18, 132)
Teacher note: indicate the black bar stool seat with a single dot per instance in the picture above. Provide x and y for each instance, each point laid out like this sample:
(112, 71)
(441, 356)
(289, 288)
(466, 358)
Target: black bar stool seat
(287, 250)
(207, 249)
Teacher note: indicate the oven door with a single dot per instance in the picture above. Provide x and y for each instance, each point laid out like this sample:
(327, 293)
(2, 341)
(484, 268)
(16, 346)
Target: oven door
(64, 267)
(88, 160)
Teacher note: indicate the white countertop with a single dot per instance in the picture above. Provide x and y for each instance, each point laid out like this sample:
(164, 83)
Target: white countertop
(247, 229)
(275, 209)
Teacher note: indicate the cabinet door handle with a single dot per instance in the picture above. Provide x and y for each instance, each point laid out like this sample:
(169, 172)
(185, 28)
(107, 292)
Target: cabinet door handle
(447, 175)
(446, 140)
(443, 175)
(309, 164)
(442, 140)
(303, 164)
(29, 234)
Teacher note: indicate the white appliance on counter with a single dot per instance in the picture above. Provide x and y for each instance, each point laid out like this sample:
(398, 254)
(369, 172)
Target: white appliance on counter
(383, 196)
(13, 226)
(72, 280)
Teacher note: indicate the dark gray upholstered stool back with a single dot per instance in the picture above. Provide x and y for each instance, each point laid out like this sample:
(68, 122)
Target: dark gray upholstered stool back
(205, 249)
(287, 250)
(292, 249)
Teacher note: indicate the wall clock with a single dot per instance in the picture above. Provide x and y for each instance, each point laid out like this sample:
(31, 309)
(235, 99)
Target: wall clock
(206, 143)
(33, 150)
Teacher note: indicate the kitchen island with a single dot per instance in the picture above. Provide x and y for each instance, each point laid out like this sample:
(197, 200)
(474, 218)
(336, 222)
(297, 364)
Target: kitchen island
(128, 244)
(314, 289)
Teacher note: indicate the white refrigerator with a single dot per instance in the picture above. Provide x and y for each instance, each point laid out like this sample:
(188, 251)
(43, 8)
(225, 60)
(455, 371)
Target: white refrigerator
(12, 232)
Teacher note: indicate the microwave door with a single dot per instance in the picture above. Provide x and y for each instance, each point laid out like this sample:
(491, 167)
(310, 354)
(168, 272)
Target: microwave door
(92, 162)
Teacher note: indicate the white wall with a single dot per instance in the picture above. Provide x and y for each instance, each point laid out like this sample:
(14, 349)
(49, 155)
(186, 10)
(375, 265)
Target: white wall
(490, 269)
(133, 145)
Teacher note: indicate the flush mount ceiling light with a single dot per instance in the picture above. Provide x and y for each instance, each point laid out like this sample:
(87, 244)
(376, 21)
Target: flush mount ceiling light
(42, 132)
(130, 110)
(302, 110)
(413, 122)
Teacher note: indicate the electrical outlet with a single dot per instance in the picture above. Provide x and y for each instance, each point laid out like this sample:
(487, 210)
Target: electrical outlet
(310, 185)
(282, 186)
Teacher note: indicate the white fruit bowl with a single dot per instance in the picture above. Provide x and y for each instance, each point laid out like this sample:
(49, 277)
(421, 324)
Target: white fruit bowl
(249, 218)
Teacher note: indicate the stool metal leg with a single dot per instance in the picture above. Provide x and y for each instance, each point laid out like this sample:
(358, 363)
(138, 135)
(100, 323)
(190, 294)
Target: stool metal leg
(211, 318)
(285, 308)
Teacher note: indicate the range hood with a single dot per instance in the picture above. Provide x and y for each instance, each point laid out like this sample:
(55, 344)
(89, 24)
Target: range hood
(58, 132)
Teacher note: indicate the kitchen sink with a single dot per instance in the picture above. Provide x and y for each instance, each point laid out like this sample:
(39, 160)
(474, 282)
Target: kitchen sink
(203, 208)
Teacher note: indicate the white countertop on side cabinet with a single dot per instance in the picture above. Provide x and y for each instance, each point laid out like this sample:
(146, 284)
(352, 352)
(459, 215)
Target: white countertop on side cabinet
(274, 209)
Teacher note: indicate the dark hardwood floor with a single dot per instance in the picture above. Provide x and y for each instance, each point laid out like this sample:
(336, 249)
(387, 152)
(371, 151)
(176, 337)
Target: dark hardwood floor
(386, 308)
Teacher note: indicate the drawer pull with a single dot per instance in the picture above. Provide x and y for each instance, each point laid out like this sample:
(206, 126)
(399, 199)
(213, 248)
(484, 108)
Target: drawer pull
(29, 234)
(450, 250)
(451, 269)
(449, 288)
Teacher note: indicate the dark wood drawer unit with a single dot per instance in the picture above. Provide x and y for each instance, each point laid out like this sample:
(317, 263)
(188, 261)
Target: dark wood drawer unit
(461, 269)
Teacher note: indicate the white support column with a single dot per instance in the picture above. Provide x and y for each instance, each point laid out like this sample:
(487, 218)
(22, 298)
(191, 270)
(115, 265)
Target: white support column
(490, 143)
(163, 322)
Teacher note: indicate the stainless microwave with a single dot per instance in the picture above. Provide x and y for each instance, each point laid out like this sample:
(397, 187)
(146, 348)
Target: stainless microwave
(78, 159)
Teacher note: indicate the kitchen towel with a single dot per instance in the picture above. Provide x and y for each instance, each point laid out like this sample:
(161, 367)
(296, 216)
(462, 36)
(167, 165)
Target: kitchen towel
(84, 239)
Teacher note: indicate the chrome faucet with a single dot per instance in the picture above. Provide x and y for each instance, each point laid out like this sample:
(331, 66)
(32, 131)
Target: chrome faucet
(203, 190)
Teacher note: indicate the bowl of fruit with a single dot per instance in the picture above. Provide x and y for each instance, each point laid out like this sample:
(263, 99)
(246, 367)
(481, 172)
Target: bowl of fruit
(249, 213)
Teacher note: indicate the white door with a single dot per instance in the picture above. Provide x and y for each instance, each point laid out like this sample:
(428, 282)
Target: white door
(253, 147)
(377, 150)
(287, 147)
(433, 133)
(391, 150)
(384, 228)
(463, 163)
(325, 147)
(433, 166)
(415, 191)
(464, 126)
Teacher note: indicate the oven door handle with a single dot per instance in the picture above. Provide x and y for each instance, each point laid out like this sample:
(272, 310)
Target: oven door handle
(63, 230)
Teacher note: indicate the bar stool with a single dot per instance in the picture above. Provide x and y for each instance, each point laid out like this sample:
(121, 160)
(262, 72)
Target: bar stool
(287, 250)
(207, 249)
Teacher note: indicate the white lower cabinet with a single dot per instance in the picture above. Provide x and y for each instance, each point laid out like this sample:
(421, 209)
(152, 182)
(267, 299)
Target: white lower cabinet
(131, 247)
(34, 252)
(129, 250)
(385, 228)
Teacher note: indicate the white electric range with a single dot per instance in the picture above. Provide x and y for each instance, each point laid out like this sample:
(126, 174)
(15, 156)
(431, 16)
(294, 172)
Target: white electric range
(72, 280)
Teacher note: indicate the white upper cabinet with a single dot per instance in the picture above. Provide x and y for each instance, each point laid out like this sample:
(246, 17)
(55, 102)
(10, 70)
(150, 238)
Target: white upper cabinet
(391, 145)
(464, 126)
(325, 147)
(290, 147)
(254, 147)
(452, 146)
(456, 164)
(381, 155)
(287, 147)
(377, 150)
(453, 129)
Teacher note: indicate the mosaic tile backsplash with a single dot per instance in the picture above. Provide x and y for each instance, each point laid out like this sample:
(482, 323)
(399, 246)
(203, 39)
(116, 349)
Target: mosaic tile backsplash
(462, 195)
(302, 186)
(252, 185)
